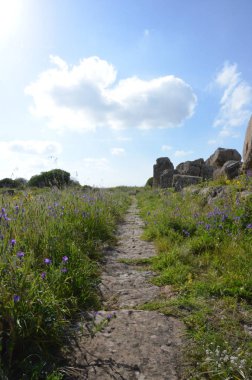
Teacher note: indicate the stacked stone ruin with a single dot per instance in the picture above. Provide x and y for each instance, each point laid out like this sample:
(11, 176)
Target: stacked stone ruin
(222, 163)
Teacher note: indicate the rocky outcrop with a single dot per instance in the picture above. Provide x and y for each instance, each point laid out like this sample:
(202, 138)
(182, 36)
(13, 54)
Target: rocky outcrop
(229, 170)
(222, 155)
(247, 148)
(222, 163)
(162, 164)
(196, 168)
(181, 181)
(166, 178)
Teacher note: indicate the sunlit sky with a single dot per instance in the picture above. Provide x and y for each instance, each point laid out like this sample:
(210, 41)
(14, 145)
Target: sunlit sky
(102, 88)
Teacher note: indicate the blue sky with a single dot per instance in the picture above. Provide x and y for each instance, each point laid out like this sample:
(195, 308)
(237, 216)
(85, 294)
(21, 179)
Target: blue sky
(102, 88)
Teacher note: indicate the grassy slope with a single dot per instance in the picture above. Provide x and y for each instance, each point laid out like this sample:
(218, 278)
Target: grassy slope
(205, 253)
(50, 246)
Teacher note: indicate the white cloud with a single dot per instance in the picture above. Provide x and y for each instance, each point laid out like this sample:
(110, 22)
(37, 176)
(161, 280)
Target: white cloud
(24, 158)
(227, 132)
(33, 147)
(117, 151)
(183, 153)
(166, 148)
(86, 96)
(235, 103)
(212, 142)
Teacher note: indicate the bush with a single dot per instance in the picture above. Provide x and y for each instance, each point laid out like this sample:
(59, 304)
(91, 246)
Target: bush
(149, 182)
(53, 178)
(9, 183)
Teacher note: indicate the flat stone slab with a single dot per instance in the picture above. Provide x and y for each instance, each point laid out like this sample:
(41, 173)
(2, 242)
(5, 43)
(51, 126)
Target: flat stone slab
(141, 345)
(128, 288)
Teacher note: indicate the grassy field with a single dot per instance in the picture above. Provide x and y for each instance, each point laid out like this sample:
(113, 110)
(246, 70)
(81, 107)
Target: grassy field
(50, 247)
(205, 254)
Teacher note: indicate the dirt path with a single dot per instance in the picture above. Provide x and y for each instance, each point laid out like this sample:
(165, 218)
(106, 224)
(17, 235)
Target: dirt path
(128, 344)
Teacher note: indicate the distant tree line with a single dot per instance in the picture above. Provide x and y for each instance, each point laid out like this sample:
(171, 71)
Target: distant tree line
(13, 183)
(53, 178)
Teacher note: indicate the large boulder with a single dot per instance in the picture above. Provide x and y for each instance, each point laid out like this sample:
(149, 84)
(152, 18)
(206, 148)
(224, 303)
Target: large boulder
(162, 164)
(166, 178)
(190, 168)
(229, 170)
(247, 147)
(222, 155)
(181, 181)
(196, 168)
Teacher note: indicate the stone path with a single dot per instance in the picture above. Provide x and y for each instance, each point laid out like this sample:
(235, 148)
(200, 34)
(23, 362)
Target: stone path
(128, 344)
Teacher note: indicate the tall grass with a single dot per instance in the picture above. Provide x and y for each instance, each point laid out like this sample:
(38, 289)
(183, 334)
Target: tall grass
(205, 253)
(50, 245)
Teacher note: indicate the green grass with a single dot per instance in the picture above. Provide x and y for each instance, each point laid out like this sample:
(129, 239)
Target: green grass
(205, 253)
(50, 246)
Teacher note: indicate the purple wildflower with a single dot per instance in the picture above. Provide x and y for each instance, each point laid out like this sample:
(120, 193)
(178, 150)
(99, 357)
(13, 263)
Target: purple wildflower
(47, 261)
(249, 225)
(65, 259)
(63, 270)
(207, 226)
(43, 275)
(224, 217)
(20, 254)
(13, 242)
(111, 315)
(186, 233)
(16, 298)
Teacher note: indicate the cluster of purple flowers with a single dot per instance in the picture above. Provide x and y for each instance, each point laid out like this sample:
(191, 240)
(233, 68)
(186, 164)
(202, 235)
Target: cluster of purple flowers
(4, 216)
(48, 261)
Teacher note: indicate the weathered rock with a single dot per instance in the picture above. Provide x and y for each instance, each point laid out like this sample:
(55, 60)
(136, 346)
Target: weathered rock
(207, 172)
(229, 170)
(161, 165)
(196, 168)
(217, 173)
(181, 181)
(247, 147)
(222, 155)
(211, 194)
(166, 178)
(189, 168)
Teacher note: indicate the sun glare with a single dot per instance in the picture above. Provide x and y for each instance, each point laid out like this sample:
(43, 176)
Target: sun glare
(9, 14)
